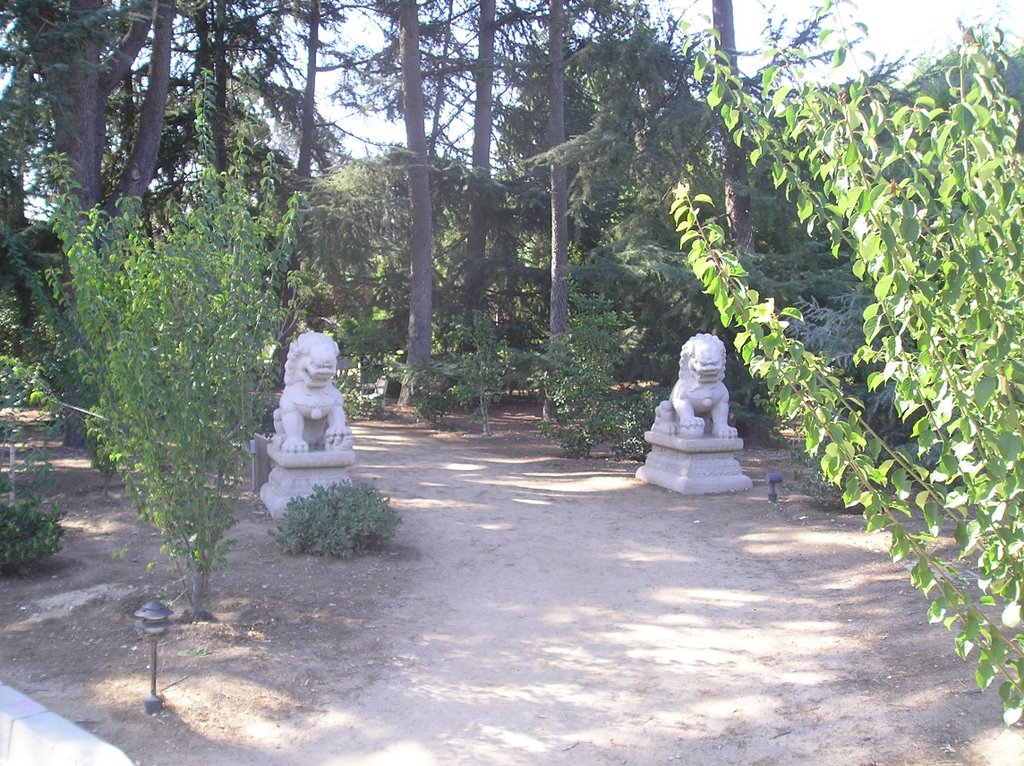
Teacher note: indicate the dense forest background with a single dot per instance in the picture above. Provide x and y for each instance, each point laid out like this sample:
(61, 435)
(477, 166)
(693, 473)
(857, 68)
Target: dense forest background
(518, 240)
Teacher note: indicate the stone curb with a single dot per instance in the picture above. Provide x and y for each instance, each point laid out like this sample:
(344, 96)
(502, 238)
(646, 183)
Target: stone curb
(30, 735)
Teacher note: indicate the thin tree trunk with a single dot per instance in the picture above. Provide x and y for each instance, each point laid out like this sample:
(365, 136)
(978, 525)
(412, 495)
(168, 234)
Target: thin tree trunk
(439, 94)
(421, 240)
(141, 165)
(737, 198)
(304, 170)
(559, 314)
(476, 239)
(218, 120)
(196, 584)
(308, 128)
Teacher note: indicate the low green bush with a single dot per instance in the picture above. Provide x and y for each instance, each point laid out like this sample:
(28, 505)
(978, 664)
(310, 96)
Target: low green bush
(433, 397)
(339, 520)
(577, 376)
(27, 534)
(358, 402)
(635, 416)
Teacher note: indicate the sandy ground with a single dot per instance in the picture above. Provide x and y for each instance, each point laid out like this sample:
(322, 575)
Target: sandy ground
(531, 610)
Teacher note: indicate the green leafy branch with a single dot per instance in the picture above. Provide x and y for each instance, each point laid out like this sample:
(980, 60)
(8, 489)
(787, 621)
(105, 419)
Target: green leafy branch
(926, 200)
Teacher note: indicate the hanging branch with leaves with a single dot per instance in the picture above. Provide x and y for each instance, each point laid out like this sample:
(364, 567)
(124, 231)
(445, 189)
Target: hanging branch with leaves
(927, 202)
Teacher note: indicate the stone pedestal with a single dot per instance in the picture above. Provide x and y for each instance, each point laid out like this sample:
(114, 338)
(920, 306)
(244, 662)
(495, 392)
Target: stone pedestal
(296, 473)
(699, 466)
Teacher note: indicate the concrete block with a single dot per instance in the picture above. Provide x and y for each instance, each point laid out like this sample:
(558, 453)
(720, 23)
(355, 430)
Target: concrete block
(13, 706)
(31, 735)
(47, 739)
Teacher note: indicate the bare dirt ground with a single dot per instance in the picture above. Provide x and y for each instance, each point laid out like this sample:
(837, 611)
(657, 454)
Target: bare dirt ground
(531, 610)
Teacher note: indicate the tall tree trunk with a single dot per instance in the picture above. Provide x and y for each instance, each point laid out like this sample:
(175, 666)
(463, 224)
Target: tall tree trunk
(304, 170)
(737, 196)
(476, 239)
(421, 239)
(78, 105)
(559, 313)
(79, 80)
(68, 48)
(308, 127)
(141, 165)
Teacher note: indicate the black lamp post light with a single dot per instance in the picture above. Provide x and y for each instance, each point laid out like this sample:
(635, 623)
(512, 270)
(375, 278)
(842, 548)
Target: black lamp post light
(152, 623)
(773, 478)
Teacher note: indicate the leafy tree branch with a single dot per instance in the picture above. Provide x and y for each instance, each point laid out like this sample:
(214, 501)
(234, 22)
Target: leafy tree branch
(927, 202)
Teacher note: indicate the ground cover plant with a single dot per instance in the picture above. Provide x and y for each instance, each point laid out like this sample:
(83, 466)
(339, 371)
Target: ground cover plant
(338, 520)
(27, 532)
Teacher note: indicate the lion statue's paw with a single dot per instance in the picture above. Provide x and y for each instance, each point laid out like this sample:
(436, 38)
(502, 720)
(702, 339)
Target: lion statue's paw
(338, 440)
(724, 432)
(664, 419)
(294, 444)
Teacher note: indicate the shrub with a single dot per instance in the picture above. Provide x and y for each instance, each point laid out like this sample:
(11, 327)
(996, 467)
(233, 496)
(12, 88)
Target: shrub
(577, 376)
(27, 534)
(358, 403)
(635, 415)
(433, 397)
(177, 360)
(482, 370)
(339, 520)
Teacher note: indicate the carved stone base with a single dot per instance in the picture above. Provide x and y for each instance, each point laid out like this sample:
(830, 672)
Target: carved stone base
(701, 466)
(295, 475)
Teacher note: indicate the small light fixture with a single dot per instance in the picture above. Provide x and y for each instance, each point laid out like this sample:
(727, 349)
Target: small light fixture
(152, 623)
(773, 478)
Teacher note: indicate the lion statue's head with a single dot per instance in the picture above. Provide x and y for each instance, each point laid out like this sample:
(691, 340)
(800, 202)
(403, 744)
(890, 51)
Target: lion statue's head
(702, 359)
(312, 361)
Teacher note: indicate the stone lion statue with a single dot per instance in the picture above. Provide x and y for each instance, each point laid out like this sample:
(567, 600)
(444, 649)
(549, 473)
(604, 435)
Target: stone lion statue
(311, 414)
(699, 403)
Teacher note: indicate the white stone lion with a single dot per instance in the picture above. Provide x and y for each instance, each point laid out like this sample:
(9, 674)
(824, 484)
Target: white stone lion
(311, 413)
(700, 391)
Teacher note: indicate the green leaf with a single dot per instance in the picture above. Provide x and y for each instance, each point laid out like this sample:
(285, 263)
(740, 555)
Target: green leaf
(716, 95)
(984, 389)
(910, 229)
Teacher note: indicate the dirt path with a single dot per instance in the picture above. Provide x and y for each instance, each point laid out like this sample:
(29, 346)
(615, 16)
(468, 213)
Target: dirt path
(532, 610)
